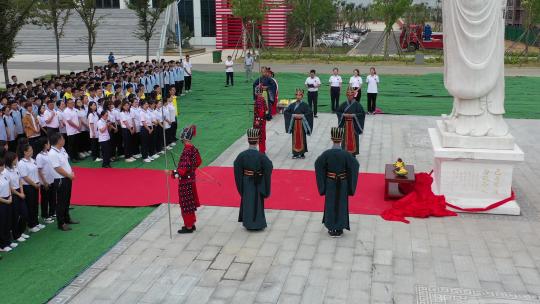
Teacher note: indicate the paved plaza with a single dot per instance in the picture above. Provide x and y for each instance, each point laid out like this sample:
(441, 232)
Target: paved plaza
(466, 259)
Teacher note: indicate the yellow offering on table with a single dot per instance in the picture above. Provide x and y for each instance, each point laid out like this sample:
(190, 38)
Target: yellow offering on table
(399, 164)
(401, 171)
(284, 102)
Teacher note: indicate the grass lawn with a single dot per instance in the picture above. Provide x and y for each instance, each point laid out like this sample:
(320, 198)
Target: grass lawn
(35, 271)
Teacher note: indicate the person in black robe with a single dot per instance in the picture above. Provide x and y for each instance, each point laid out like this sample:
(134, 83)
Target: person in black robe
(351, 117)
(299, 122)
(337, 175)
(252, 174)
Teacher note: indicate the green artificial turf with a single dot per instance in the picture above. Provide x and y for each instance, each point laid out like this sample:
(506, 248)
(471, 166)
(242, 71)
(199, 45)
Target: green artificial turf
(50, 259)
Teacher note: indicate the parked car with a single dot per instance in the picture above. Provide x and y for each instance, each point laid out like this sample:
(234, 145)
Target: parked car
(335, 40)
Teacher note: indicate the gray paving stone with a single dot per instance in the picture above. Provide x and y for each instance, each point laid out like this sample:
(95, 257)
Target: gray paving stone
(226, 289)
(289, 299)
(313, 295)
(383, 257)
(222, 261)
(295, 285)
(211, 278)
(209, 253)
(199, 295)
(237, 271)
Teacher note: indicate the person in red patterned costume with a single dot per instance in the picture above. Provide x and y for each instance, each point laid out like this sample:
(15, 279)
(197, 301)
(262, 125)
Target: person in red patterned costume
(259, 117)
(189, 161)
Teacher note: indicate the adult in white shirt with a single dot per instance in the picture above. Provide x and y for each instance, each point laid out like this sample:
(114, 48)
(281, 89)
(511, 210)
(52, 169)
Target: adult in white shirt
(187, 74)
(52, 121)
(335, 89)
(135, 112)
(171, 135)
(45, 171)
(73, 128)
(356, 84)
(63, 178)
(229, 71)
(30, 181)
(6, 206)
(372, 90)
(104, 138)
(84, 135)
(313, 83)
(20, 210)
(248, 66)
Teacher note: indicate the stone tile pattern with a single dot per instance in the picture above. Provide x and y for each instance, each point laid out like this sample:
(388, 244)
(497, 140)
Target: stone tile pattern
(294, 260)
(434, 295)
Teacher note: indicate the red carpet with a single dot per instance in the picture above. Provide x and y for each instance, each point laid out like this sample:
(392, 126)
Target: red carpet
(291, 189)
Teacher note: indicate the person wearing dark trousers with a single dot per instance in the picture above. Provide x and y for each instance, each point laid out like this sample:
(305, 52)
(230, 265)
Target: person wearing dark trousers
(30, 179)
(373, 83)
(355, 82)
(335, 89)
(159, 128)
(146, 132)
(31, 127)
(128, 132)
(52, 121)
(6, 205)
(73, 128)
(312, 84)
(229, 71)
(187, 74)
(93, 118)
(48, 194)
(19, 211)
(104, 126)
(63, 177)
(179, 78)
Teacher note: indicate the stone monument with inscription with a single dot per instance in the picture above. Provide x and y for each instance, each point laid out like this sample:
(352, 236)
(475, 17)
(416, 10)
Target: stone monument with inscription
(474, 151)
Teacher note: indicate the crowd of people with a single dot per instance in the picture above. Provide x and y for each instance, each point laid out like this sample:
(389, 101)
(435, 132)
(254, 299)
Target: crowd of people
(117, 111)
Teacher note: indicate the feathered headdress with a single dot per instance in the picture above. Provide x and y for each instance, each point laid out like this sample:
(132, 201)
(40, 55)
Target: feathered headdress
(188, 132)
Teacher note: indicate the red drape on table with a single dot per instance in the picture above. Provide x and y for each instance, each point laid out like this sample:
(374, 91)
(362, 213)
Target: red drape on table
(421, 202)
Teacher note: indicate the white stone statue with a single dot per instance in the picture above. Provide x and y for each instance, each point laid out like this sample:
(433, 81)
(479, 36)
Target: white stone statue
(474, 66)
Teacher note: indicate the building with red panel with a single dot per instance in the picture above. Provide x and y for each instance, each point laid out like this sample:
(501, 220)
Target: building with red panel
(229, 28)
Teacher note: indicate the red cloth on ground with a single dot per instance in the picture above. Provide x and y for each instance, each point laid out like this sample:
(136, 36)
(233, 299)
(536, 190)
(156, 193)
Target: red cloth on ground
(421, 202)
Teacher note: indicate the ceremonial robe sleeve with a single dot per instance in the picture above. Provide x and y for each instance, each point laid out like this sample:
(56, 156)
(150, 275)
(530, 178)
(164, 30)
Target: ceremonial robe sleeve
(352, 173)
(287, 115)
(320, 173)
(267, 168)
(360, 118)
(339, 113)
(308, 116)
(238, 173)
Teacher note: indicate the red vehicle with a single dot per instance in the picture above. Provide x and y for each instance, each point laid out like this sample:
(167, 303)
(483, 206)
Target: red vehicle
(414, 37)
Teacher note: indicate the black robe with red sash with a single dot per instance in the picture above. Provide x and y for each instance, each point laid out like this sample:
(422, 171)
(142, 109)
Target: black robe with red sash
(353, 126)
(298, 127)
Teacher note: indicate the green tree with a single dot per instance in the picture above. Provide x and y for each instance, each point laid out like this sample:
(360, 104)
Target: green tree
(14, 15)
(314, 17)
(251, 13)
(530, 20)
(148, 17)
(87, 11)
(54, 15)
(390, 11)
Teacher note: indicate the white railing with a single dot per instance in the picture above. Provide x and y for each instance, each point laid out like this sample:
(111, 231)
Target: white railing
(163, 37)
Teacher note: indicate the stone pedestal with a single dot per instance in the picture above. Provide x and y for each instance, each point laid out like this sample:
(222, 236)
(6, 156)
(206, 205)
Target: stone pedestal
(474, 178)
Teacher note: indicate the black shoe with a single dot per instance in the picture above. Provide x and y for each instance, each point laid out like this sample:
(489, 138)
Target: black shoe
(185, 230)
(295, 157)
(315, 116)
(302, 156)
(332, 233)
(65, 227)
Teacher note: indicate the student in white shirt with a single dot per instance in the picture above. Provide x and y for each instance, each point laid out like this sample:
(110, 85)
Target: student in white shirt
(356, 84)
(84, 135)
(154, 146)
(335, 89)
(128, 131)
(19, 220)
(63, 178)
(30, 180)
(6, 210)
(312, 84)
(373, 83)
(104, 138)
(248, 66)
(52, 121)
(92, 118)
(147, 129)
(229, 71)
(48, 197)
(134, 111)
(187, 74)
(73, 128)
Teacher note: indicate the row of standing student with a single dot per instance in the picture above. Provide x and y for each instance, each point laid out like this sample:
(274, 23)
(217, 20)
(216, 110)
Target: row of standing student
(133, 127)
(313, 83)
(24, 180)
